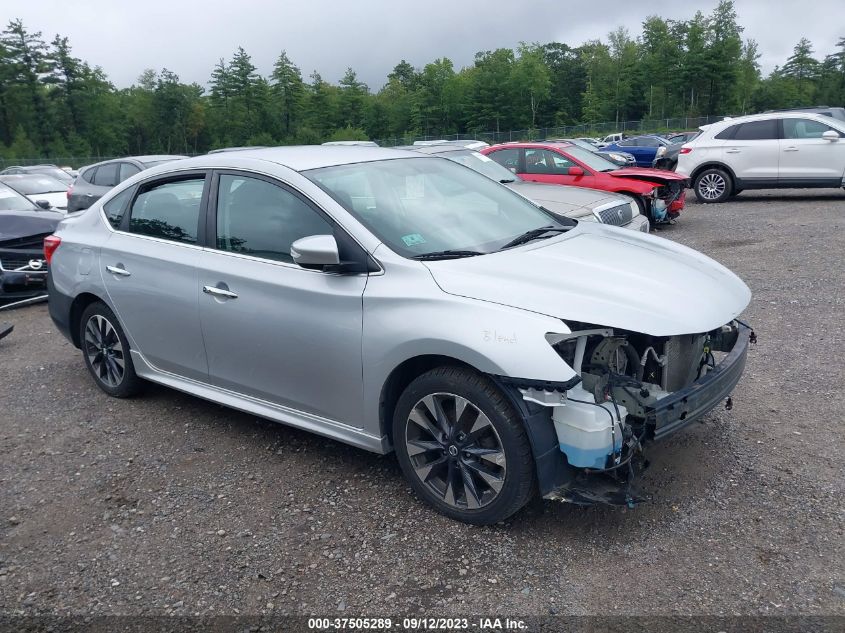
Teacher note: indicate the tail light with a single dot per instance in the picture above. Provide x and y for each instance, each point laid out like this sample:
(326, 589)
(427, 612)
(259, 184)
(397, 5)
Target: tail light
(685, 150)
(69, 191)
(51, 243)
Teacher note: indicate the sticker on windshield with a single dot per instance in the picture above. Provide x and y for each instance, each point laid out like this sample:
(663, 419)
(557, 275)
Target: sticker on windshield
(413, 239)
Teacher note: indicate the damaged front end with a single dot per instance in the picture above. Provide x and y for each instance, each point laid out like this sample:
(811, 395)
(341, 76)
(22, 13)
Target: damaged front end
(633, 389)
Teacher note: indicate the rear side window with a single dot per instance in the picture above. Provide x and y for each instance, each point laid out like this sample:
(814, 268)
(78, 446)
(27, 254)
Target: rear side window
(757, 131)
(127, 170)
(88, 175)
(507, 158)
(116, 207)
(169, 211)
(106, 175)
(261, 219)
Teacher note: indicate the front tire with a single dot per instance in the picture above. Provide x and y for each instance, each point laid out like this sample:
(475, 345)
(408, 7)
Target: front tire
(713, 186)
(462, 446)
(106, 352)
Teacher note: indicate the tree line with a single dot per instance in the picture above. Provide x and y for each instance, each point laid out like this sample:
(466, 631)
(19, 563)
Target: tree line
(53, 104)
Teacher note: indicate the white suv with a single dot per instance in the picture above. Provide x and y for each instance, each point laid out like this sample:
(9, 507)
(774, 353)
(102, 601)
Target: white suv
(765, 151)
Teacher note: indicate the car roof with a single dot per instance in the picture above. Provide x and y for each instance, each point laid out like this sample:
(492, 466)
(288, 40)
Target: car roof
(296, 157)
(537, 144)
(435, 148)
(147, 158)
(765, 116)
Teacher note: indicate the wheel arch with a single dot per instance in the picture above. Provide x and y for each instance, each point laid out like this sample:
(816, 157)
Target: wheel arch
(402, 376)
(713, 165)
(77, 307)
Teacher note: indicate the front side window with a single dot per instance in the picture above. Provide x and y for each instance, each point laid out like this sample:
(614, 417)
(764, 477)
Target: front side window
(169, 211)
(757, 131)
(543, 161)
(426, 205)
(805, 128)
(106, 175)
(258, 218)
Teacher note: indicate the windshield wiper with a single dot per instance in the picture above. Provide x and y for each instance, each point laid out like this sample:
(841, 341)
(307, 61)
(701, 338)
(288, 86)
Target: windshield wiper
(506, 181)
(533, 234)
(448, 254)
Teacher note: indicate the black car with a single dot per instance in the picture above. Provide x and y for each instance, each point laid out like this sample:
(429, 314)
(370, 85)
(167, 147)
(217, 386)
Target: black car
(682, 137)
(23, 227)
(669, 158)
(96, 180)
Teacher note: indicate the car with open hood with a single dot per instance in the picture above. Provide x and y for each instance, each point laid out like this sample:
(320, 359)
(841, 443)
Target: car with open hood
(23, 227)
(584, 205)
(402, 302)
(660, 194)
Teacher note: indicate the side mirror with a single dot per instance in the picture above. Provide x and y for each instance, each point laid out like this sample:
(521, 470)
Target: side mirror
(830, 135)
(575, 171)
(315, 251)
(44, 204)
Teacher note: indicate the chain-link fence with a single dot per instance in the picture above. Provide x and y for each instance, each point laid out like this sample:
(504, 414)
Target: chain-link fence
(631, 128)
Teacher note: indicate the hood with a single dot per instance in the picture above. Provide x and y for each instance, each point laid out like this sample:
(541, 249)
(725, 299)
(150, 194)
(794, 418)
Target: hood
(573, 202)
(604, 276)
(661, 176)
(15, 225)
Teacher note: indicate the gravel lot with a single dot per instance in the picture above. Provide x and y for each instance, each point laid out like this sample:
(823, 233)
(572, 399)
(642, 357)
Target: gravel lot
(167, 504)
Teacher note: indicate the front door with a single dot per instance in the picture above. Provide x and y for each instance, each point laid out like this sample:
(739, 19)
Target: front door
(807, 159)
(149, 269)
(543, 165)
(273, 330)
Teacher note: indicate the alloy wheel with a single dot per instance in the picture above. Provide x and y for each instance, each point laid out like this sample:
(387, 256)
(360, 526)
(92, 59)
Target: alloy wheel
(104, 350)
(712, 186)
(455, 451)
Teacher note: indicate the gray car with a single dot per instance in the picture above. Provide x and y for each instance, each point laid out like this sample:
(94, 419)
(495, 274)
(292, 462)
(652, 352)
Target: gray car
(94, 181)
(402, 302)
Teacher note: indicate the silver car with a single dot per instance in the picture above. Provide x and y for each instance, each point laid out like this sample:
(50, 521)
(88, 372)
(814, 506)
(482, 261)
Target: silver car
(401, 302)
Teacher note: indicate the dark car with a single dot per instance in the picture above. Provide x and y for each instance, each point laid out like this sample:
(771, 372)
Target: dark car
(23, 227)
(682, 137)
(644, 148)
(668, 159)
(95, 180)
(45, 170)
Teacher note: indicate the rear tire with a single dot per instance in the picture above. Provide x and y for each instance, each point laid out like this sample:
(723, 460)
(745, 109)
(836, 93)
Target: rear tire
(462, 446)
(713, 186)
(106, 352)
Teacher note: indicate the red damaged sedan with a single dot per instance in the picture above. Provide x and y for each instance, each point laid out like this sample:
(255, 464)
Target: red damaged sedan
(660, 194)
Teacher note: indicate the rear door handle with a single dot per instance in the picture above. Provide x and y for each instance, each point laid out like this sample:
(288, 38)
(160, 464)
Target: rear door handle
(790, 149)
(118, 270)
(732, 151)
(219, 292)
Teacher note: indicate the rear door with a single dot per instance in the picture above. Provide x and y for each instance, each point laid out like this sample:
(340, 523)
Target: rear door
(148, 266)
(807, 159)
(753, 152)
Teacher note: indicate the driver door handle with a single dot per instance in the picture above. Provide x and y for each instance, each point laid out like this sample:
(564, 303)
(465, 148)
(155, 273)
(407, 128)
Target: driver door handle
(219, 292)
(791, 148)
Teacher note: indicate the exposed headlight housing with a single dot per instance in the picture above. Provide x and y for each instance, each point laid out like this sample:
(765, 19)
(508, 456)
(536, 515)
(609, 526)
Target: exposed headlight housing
(661, 151)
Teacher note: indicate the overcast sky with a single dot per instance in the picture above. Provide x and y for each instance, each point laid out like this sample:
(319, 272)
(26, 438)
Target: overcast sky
(371, 36)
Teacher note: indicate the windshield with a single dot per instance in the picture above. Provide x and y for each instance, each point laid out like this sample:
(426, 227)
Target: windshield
(420, 206)
(13, 201)
(30, 185)
(590, 159)
(482, 164)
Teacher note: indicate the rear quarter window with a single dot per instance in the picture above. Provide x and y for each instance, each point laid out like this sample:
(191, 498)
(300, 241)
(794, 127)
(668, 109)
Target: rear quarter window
(116, 207)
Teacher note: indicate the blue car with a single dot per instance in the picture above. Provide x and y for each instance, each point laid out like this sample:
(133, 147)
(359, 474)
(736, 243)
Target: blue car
(645, 149)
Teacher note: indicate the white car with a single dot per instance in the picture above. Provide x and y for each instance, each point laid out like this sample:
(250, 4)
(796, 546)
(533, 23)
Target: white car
(765, 151)
(45, 191)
